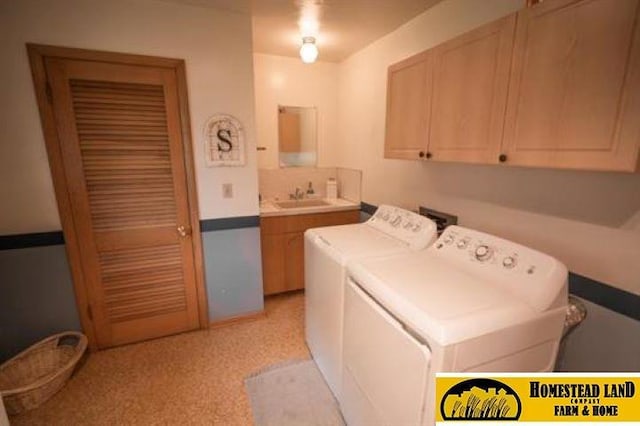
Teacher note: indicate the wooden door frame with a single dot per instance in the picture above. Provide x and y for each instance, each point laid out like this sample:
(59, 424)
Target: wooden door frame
(37, 55)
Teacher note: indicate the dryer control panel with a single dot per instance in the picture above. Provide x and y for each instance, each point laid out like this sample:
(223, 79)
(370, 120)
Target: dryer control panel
(417, 231)
(535, 276)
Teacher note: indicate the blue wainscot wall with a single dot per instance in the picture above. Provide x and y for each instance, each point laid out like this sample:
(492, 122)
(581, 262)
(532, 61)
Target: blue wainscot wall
(36, 295)
(36, 291)
(233, 266)
(609, 337)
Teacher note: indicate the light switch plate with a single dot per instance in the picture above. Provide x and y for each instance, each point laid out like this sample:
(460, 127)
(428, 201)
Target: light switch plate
(227, 190)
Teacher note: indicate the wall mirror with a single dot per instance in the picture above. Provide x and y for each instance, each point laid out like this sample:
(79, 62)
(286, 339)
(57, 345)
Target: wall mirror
(297, 131)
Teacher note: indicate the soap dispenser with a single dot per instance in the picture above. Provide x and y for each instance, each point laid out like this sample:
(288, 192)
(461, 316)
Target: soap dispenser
(332, 188)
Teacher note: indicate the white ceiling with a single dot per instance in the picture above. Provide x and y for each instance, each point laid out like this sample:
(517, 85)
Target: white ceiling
(341, 27)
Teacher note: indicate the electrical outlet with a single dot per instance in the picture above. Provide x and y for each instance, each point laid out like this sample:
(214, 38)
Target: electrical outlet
(227, 190)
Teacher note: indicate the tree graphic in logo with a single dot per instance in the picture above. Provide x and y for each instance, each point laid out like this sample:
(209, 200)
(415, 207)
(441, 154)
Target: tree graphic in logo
(480, 399)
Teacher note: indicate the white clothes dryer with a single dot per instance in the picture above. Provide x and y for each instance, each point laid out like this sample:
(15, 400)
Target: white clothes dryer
(390, 230)
(470, 302)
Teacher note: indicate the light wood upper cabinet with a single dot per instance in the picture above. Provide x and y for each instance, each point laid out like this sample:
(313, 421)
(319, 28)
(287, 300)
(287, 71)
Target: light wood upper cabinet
(556, 86)
(574, 95)
(408, 103)
(470, 82)
(448, 103)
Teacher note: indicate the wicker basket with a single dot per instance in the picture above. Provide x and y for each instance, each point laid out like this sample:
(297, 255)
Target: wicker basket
(37, 373)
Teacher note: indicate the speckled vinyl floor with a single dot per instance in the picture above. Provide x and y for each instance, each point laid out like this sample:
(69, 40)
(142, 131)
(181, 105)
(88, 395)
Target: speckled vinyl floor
(189, 379)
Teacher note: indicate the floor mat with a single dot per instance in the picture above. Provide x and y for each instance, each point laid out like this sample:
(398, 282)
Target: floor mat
(290, 394)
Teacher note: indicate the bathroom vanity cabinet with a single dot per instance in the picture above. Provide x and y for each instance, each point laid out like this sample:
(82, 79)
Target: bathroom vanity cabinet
(282, 239)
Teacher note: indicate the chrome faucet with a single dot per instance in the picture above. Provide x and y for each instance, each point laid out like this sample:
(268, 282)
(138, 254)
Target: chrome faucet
(298, 195)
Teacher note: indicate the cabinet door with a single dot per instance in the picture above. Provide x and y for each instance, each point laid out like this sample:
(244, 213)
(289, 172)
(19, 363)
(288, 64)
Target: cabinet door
(273, 263)
(470, 82)
(282, 239)
(294, 261)
(574, 96)
(408, 104)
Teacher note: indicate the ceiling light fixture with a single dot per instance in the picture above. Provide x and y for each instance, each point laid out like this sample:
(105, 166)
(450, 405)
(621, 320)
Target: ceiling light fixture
(309, 50)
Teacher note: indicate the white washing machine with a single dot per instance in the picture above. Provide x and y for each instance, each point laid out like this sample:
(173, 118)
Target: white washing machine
(470, 302)
(390, 230)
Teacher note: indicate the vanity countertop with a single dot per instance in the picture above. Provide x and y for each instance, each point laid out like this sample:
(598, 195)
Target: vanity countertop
(270, 207)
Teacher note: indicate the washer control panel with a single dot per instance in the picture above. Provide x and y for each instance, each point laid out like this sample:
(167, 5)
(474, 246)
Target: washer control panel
(534, 275)
(486, 249)
(415, 230)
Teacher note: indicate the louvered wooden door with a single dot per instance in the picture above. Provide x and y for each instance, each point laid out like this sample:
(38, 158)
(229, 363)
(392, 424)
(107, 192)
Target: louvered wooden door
(121, 146)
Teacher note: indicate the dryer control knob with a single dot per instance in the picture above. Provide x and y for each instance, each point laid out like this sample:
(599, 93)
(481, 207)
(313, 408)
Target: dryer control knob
(483, 252)
(509, 262)
(448, 239)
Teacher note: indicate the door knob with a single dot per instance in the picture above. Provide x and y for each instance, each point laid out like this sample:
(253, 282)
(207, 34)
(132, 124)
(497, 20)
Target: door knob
(183, 231)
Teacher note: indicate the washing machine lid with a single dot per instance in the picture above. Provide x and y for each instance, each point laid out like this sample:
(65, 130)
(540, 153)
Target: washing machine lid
(346, 242)
(390, 230)
(438, 300)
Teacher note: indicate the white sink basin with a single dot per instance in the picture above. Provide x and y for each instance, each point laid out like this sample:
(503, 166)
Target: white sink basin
(295, 204)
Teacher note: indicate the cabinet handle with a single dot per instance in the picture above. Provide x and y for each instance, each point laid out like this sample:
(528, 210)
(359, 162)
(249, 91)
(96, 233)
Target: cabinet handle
(421, 154)
(429, 155)
(502, 158)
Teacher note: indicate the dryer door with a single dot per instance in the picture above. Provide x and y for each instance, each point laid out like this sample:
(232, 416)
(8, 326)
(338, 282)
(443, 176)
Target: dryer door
(385, 368)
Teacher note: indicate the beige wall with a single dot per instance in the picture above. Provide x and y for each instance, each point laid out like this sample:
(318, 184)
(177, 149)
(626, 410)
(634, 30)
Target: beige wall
(281, 80)
(588, 220)
(215, 44)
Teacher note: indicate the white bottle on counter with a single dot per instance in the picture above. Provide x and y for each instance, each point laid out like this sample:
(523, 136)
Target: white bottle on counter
(332, 189)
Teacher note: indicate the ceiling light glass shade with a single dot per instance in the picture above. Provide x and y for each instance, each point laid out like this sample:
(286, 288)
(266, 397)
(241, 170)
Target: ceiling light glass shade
(309, 50)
